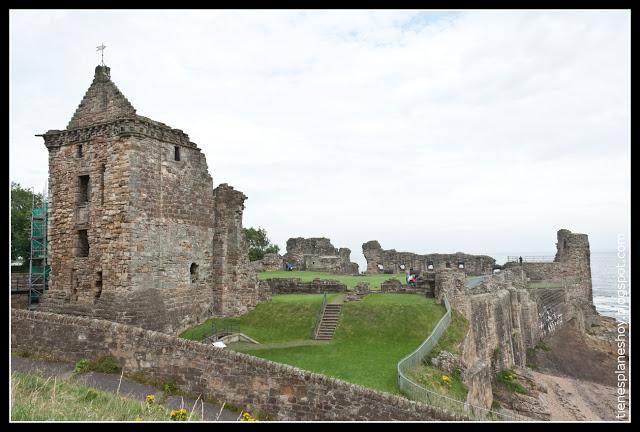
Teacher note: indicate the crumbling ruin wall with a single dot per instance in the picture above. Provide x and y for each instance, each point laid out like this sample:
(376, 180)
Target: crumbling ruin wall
(505, 318)
(235, 285)
(270, 262)
(391, 261)
(572, 266)
(296, 286)
(318, 254)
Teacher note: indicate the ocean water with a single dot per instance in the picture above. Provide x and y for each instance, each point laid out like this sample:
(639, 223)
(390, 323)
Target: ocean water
(604, 277)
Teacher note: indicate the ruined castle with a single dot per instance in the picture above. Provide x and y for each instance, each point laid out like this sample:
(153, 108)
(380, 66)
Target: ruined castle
(137, 233)
(507, 315)
(391, 261)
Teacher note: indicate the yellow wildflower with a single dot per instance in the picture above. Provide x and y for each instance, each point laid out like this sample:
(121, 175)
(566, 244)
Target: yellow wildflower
(179, 415)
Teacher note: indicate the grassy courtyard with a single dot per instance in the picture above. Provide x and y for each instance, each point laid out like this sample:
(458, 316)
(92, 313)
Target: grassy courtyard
(374, 280)
(372, 336)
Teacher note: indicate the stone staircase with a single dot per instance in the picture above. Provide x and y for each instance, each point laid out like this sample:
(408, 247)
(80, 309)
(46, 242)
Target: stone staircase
(329, 321)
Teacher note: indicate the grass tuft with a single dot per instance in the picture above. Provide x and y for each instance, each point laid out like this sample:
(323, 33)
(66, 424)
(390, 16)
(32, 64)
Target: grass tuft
(508, 379)
(105, 364)
(34, 398)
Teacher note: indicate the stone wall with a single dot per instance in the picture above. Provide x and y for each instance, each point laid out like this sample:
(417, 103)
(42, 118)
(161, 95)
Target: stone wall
(270, 262)
(393, 285)
(137, 233)
(506, 317)
(235, 285)
(19, 281)
(260, 386)
(19, 301)
(391, 261)
(318, 254)
(572, 265)
(296, 286)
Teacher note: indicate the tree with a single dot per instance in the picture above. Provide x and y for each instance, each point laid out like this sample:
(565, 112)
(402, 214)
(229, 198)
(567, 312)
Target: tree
(259, 244)
(22, 201)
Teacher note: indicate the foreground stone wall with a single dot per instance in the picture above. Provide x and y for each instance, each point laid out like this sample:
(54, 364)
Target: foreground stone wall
(296, 286)
(279, 391)
(391, 261)
(318, 254)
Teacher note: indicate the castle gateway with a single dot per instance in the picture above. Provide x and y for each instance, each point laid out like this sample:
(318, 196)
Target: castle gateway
(137, 234)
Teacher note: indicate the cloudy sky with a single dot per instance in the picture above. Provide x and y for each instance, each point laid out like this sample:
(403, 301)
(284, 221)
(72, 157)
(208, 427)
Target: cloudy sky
(430, 131)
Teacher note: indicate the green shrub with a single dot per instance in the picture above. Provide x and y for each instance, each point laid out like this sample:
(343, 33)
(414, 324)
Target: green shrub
(169, 387)
(510, 382)
(105, 364)
(542, 346)
(90, 394)
(82, 366)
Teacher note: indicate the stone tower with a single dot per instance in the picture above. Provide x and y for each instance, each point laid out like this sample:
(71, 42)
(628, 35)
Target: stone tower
(137, 234)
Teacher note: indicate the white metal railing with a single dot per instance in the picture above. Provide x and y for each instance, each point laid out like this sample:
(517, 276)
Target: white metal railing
(415, 391)
(532, 259)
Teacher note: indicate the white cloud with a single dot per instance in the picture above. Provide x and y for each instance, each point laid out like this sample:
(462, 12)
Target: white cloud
(483, 130)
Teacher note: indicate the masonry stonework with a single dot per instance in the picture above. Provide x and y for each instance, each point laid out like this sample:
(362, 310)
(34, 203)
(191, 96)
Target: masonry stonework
(390, 261)
(506, 317)
(318, 254)
(137, 233)
(572, 267)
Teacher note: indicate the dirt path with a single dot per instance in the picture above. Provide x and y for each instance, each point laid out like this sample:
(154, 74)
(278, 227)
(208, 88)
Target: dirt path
(571, 399)
(579, 379)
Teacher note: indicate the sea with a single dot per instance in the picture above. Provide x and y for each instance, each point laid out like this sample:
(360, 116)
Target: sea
(605, 269)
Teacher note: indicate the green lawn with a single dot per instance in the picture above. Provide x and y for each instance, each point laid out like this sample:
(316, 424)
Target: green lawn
(350, 281)
(44, 399)
(286, 317)
(372, 336)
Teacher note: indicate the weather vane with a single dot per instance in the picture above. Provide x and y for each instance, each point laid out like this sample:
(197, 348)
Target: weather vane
(101, 47)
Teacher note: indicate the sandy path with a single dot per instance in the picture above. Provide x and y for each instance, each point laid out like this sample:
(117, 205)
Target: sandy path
(576, 400)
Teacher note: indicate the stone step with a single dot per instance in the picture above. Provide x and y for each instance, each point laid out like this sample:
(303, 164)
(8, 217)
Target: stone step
(329, 321)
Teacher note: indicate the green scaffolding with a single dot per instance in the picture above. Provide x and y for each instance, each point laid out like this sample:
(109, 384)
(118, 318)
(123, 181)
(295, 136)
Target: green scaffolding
(38, 266)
